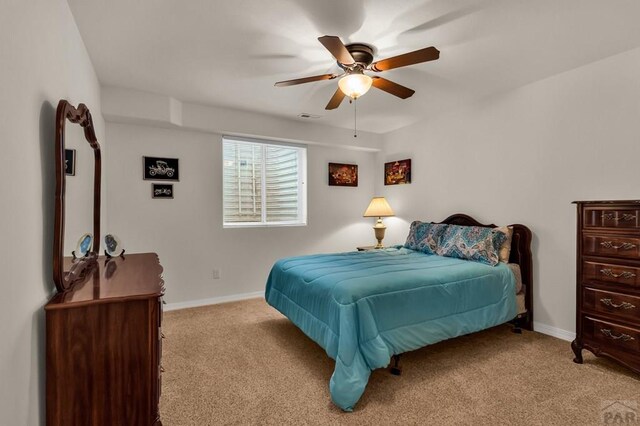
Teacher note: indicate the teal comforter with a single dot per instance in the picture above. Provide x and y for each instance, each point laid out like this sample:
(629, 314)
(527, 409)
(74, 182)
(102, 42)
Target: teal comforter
(364, 307)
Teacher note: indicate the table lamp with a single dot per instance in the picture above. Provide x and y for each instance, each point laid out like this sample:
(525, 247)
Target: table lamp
(379, 208)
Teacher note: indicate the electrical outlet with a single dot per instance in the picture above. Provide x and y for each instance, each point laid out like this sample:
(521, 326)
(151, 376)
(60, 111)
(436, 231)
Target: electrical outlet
(216, 274)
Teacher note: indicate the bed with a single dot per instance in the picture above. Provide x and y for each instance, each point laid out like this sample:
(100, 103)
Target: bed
(363, 308)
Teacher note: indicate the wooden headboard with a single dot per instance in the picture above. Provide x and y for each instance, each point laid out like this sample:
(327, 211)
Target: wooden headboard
(520, 254)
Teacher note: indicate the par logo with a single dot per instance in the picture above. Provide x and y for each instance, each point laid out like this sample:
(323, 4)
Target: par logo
(620, 412)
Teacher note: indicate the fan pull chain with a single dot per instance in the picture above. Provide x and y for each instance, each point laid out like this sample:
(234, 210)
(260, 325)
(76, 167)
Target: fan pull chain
(355, 118)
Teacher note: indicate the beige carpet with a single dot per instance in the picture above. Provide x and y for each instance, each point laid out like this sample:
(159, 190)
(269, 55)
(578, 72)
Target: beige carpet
(244, 363)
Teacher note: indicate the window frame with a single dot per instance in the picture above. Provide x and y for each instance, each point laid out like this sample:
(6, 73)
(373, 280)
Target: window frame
(302, 183)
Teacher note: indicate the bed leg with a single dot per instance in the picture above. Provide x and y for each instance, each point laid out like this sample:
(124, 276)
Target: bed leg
(517, 326)
(395, 369)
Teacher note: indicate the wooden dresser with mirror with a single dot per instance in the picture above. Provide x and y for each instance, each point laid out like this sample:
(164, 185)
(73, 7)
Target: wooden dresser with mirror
(103, 327)
(608, 281)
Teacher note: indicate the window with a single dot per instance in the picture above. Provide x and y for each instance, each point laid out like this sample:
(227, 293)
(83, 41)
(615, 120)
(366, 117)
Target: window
(263, 183)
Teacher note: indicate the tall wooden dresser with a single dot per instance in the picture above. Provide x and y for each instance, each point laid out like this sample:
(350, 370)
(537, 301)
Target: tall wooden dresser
(104, 346)
(608, 281)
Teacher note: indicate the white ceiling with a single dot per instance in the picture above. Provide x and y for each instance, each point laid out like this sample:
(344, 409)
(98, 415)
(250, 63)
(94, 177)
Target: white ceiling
(230, 53)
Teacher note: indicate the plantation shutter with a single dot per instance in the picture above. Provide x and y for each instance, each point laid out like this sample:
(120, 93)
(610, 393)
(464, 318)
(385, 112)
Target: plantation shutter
(242, 182)
(263, 183)
(282, 184)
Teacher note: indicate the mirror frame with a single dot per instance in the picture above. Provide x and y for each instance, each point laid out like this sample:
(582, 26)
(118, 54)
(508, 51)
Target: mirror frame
(79, 268)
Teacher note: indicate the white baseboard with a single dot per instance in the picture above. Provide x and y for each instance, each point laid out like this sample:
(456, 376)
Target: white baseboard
(212, 301)
(554, 331)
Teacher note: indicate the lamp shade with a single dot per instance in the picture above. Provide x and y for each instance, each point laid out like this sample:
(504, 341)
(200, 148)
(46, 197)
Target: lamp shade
(355, 85)
(378, 208)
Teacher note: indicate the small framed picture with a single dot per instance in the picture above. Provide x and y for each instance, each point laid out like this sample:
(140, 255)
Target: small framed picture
(397, 172)
(161, 190)
(343, 174)
(158, 168)
(70, 162)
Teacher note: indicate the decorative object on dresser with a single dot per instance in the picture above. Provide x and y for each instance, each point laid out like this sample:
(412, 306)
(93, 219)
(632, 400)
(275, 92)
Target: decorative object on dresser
(379, 208)
(608, 281)
(103, 335)
(83, 246)
(343, 174)
(112, 246)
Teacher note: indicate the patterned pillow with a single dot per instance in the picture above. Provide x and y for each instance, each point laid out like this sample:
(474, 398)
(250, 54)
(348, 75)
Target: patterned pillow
(472, 243)
(424, 236)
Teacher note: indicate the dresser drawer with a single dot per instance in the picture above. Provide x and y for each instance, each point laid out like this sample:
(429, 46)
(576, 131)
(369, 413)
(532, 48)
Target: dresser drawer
(620, 305)
(612, 335)
(628, 218)
(606, 273)
(611, 246)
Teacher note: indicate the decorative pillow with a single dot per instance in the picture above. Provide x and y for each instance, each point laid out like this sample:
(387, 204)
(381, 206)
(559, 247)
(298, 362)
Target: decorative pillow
(505, 248)
(424, 236)
(471, 243)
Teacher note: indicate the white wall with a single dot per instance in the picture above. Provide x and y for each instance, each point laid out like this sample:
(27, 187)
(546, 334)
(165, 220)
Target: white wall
(139, 107)
(187, 231)
(43, 60)
(522, 157)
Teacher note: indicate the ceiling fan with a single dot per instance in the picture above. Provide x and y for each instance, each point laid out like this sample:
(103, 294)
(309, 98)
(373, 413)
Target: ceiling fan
(355, 59)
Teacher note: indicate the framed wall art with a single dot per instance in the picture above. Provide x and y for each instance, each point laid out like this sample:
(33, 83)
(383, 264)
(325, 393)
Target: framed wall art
(397, 172)
(343, 174)
(162, 190)
(158, 168)
(70, 162)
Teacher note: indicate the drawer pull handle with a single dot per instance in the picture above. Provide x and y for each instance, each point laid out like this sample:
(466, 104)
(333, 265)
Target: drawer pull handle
(625, 216)
(624, 275)
(623, 246)
(623, 305)
(622, 336)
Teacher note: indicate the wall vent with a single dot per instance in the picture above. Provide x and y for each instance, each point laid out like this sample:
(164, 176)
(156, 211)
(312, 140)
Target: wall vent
(308, 115)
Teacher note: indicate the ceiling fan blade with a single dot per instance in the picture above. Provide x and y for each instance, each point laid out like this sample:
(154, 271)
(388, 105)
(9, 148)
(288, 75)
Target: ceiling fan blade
(415, 57)
(336, 100)
(391, 87)
(305, 80)
(334, 45)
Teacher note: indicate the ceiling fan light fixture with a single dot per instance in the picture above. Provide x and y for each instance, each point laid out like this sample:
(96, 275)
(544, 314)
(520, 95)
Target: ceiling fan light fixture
(355, 85)
(354, 59)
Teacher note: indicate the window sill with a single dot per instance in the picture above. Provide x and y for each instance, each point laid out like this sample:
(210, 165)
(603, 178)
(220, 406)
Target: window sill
(262, 225)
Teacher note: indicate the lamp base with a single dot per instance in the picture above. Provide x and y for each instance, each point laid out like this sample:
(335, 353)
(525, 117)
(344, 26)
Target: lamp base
(379, 229)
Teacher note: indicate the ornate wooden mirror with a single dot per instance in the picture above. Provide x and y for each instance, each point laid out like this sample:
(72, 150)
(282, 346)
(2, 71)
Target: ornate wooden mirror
(68, 270)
